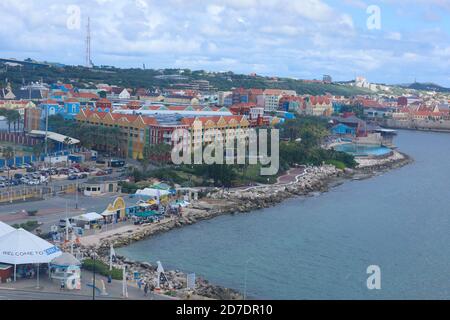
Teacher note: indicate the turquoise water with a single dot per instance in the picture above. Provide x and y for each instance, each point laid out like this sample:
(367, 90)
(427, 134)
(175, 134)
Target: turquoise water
(320, 247)
(363, 150)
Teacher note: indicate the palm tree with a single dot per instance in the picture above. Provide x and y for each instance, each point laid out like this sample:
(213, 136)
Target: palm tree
(68, 142)
(8, 153)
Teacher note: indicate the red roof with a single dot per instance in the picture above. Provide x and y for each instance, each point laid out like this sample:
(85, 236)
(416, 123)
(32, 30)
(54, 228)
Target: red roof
(85, 95)
(319, 100)
(50, 101)
(71, 100)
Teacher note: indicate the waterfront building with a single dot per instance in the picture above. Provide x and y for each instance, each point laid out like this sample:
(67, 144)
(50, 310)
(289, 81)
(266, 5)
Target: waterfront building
(318, 106)
(184, 111)
(225, 98)
(135, 131)
(19, 106)
(270, 98)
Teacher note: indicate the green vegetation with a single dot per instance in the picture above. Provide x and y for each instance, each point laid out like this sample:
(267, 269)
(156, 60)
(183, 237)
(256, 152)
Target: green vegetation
(103, 138)
(302, 146)
(102, 268)
(12, 117)
(29, 225)
(357, 109)
(338, 164)
(135, 78)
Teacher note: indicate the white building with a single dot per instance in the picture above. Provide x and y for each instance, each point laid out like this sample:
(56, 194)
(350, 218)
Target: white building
(125, 95)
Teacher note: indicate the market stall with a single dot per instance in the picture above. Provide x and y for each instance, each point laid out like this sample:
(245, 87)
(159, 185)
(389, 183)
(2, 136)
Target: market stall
(88, 220)
(66, 268)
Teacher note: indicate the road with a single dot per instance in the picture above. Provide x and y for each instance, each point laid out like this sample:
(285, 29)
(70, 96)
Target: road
(25, 290)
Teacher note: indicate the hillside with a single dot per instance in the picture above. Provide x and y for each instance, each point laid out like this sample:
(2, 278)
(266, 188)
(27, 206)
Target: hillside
(427, 87)
(136, 78)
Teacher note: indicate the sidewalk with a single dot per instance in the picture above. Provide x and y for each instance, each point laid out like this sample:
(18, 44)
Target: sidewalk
(49, 288)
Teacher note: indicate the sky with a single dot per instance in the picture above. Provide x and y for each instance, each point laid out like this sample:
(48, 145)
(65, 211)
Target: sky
(386, 41)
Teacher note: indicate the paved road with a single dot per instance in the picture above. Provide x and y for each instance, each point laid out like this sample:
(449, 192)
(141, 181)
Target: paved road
(25, 290)
(51, 210)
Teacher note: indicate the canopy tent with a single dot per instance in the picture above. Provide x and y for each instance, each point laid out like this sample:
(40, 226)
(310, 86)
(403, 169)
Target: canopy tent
(65, 260)
(23, 247)
(5, 229)
(108, 213)
(55, 137)
(150, 192)
(89, 217)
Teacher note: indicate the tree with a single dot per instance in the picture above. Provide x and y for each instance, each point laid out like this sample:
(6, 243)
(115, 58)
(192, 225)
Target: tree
(68, 142)
(8, 153)
(145, 160)
(38, 149)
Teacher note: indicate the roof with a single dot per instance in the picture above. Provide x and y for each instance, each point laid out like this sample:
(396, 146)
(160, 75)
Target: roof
(23, 247)
(85, 95)
(91, 216)
(54, 136)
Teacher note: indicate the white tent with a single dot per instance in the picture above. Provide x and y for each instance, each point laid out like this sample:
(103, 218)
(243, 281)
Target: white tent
(66, 260)
(23, 247)
(149, 192)
(89, 217)
(5, 229)
(108, 213)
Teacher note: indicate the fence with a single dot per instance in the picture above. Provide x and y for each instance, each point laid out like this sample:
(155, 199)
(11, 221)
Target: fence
(16, 194)
(18, 138)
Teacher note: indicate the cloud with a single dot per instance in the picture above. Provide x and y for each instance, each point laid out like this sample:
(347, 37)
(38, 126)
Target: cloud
(301, 38)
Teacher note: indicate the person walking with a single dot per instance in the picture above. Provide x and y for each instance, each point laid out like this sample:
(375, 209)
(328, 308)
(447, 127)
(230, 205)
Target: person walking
(146, 290)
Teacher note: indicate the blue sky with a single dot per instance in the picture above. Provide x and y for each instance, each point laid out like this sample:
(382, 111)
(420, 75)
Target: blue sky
(295, 38)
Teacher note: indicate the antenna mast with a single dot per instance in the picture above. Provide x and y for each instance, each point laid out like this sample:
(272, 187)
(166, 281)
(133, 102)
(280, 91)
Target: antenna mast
(88, 45)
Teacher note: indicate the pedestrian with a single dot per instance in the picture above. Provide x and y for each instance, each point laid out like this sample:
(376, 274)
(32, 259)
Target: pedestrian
(146, 289)
(139, 284)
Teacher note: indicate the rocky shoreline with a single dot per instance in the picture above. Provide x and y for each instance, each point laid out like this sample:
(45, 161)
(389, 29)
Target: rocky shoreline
(220, 202)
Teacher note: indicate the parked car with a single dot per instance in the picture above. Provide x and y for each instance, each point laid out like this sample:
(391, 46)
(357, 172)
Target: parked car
(101, 173)
(73, 177)
(3, 185)
(62, 222)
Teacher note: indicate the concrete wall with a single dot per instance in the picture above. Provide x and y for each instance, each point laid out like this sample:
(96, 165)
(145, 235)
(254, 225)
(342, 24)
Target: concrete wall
(438, 125)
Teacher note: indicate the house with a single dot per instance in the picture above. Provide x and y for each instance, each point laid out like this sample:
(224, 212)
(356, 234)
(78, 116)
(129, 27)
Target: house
(359, 126)
(318, 106)
(270, 98)
(343, 130)
(7, 94)
(125, 95)
(442, 107)
(51, 107)
(71, 108)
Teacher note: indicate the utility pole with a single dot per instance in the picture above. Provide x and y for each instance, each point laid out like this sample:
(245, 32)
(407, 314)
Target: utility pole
(93, 281)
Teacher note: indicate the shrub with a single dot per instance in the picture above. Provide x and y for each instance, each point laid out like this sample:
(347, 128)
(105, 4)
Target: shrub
(102, 268)
(337, 164)
(32, 213)
(29, 225)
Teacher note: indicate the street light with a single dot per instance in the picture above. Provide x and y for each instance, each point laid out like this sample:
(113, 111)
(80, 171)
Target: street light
(245, 283)
(93, 280)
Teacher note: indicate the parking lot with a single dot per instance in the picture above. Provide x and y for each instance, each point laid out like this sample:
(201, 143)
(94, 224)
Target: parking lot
(28, 175)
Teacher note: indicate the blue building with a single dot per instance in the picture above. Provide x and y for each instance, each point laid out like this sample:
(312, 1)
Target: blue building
(71, 108)
(344, 130)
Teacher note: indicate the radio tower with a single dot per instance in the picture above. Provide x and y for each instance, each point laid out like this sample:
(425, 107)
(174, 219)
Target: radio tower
(88, 45)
